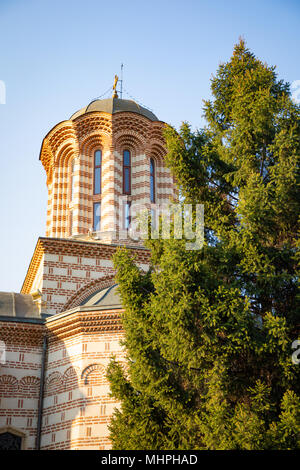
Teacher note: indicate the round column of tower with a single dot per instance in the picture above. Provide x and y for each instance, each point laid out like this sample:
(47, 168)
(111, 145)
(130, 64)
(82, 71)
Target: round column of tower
(128, 137)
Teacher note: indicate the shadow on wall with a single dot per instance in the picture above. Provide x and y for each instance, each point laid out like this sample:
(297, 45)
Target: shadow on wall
(14, 394)
(77, 405)
(21, 345)
(76, 399)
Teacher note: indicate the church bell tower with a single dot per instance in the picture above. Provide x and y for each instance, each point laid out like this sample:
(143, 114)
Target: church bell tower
(107, 156)
(105, 159)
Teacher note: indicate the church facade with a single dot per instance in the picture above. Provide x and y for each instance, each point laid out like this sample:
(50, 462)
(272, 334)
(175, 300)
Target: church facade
(58, 334)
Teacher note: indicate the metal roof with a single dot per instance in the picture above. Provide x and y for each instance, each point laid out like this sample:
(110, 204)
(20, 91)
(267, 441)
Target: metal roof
(108, 297)
(18, 305)
(115, 105)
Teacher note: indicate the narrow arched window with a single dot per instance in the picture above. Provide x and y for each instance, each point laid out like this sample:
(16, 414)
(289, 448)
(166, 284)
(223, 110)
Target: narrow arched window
(72, 180)
(126, 172)
(97, 171)
(152, 180)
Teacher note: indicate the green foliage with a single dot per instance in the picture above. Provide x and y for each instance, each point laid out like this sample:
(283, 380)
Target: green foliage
(208, 333)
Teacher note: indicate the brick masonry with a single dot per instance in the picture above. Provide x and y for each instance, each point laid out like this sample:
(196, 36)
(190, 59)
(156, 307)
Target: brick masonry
(20, 379)
(78, 406)
(73, 144)
(64, 269)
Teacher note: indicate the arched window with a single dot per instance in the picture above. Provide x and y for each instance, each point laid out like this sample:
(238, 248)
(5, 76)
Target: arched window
(152, 180)
(9, 440)
(72, 180)
(126, 172)
(97, 171)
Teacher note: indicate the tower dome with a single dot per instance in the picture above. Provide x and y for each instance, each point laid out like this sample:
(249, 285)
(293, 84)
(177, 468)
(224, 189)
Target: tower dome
(102, 163)
(115, 105)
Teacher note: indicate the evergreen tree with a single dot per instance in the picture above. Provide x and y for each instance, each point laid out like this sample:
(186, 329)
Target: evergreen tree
(208, 332)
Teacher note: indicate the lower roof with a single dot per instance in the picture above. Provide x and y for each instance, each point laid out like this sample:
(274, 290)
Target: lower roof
(108, 297)
(17, 305)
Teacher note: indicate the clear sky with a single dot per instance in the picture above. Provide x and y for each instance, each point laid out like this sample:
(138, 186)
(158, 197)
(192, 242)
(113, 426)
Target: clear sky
(57, 55)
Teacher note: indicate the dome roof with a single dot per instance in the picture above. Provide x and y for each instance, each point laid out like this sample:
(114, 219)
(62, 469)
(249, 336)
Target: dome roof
(115, 105)
(108, 297)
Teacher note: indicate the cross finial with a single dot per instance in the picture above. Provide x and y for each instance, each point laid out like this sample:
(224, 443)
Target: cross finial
(115, 95)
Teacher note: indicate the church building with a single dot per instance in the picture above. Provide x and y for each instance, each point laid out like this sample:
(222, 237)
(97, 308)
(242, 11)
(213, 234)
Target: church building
(58, 334)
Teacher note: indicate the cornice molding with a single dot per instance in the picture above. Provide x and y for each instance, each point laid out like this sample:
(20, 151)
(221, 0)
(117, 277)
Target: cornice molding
(22, 333)
(81, 323)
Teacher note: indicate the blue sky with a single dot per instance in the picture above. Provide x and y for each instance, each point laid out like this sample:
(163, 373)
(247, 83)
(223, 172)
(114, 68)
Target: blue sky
(56, 56)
